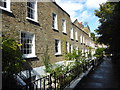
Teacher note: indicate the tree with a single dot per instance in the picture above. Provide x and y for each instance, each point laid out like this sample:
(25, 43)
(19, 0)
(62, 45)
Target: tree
(93, 36)
(99, 52)
(12, 61)
(109, 30)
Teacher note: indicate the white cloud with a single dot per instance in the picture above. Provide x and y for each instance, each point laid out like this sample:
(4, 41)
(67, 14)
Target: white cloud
(94, 3)
(84, 16)
(83, 10)
(71, 7)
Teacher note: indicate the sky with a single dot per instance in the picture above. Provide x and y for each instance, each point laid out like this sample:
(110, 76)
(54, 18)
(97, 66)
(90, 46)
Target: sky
(83, 10)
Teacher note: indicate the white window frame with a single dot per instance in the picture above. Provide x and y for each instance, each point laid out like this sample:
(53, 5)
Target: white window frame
(86, 53)
(54, 21)
(83, 52)
(68, 49)
(58, 47)
(76, 35)
(35, 16)
(64, 26)
(71, 33)
(81, 40)
(77, 50)
(7, 8)
(71, 46)
(32, 54)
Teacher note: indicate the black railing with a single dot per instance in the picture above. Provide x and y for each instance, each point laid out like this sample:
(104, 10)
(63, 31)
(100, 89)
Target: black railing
(54, 81)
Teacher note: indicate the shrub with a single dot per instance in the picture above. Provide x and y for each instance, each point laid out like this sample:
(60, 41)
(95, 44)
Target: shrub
(12, 61)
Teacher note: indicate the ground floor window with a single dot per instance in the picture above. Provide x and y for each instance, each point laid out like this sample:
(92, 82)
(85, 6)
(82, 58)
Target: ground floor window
(57, 47)
(28, 44)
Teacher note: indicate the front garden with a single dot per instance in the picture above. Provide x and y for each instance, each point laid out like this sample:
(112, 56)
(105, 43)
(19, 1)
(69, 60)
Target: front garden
(58, 76)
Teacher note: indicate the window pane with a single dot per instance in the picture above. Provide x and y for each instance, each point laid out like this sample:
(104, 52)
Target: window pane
(3, 3)
(24, 52)
(53, 21)
(31, 9)
(56, 45)
(27, 52)
(26, 41)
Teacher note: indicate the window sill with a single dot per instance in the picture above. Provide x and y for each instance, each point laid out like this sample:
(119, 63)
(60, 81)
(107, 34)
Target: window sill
(72, 39)
(28, 56)
(58, 54)
(33, 20)
(76, 40)
(5, 9)
(55, 29)
(64, 33)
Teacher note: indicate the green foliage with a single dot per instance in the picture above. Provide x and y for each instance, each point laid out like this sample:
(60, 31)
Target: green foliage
(90, 54)
(75, 55)
(12, 61)
(109, 30)
(99, 52)
(93, 36)
(46, 60)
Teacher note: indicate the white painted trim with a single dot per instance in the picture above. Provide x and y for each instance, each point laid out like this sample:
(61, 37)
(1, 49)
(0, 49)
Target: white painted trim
(35, 14)
(7, 6)
(32, 19)
(76, 35)
(68, 45)
(63, 25)
(59, 48)
(32, 55)
(71, 33)
(55, 22)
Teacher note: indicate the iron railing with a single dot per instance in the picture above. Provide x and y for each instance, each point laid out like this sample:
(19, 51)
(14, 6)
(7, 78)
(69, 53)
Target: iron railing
(54, 81)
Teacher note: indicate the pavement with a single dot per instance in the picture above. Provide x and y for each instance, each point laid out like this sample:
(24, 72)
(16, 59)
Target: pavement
(106, 75)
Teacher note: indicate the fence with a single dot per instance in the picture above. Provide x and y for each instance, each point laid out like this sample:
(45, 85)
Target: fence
(53, 81)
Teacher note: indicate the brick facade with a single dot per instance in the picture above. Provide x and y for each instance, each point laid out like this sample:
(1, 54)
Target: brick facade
(15, 21)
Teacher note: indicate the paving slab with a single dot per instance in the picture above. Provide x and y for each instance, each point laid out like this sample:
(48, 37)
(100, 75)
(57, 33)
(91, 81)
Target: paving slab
(105, 75)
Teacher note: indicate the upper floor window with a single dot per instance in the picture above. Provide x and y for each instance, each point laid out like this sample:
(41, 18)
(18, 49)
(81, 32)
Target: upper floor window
(32, 10)
(76, 36)
(63, 25)
(28, 44)
(54, 21)
(71, 33)
(57, 47)
(5, 4)
(81, 39)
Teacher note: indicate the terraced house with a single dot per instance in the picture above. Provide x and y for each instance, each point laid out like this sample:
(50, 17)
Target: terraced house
(44, 25)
